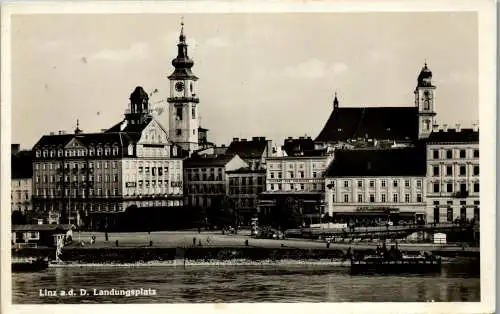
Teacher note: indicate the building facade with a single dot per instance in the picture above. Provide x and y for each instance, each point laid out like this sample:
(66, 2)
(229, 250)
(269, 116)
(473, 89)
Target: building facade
(295, 184)
(206, 181)
(88, 178)
(21, 179)
(254, 152)
(377, 185)
(453, 175)
(245, 184)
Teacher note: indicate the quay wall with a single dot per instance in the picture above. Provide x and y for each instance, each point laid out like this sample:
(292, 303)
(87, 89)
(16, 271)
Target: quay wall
(149, 254)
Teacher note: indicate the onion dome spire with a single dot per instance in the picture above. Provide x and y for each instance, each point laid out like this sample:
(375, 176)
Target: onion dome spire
(77, 130)
(182, 63)
(425, 77)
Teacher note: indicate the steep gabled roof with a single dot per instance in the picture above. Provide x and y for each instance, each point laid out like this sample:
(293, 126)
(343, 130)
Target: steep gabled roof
(454, 136)
(378, 163)
(391, 123)
(196, 161)
(248, 149)
(59, 140)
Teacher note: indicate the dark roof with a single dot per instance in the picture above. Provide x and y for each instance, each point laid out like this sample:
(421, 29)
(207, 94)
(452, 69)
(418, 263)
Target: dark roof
(454, 136)
(303, 146)
(129, 128)
(383, 123)
(22, 165)
(196, 161)
(44, 227)
(248, 149)
(120, 138)
(378, 162)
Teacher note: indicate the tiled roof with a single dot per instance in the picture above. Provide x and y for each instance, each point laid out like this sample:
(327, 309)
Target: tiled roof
(196, 161)
(248, 149)
(21, 165)
(59, 141)
(378, 162)
(454, 136)
(392, 123)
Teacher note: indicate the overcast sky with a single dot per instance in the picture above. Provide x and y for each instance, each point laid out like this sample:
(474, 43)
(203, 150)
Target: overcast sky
(270, 75)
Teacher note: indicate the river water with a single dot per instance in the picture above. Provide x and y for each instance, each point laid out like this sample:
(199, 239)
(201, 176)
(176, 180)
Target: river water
(243, 284)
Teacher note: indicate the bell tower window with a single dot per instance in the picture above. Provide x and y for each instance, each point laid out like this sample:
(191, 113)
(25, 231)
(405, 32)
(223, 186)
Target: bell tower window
(193, 112)
(178, 113)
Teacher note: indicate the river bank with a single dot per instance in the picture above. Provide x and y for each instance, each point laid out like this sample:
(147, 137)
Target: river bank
(218, 255)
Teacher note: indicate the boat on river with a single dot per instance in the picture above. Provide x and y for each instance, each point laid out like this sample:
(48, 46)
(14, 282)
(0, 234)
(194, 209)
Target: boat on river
(28, 264)
(393, 261)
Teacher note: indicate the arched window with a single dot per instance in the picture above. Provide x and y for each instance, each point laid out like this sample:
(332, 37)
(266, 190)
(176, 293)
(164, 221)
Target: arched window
(99, 151)
(130, 149)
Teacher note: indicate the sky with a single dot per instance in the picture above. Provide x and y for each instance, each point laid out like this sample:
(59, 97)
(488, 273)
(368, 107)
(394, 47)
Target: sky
(261, 74)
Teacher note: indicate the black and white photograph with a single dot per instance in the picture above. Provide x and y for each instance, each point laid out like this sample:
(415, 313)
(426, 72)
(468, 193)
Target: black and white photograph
(310, 156)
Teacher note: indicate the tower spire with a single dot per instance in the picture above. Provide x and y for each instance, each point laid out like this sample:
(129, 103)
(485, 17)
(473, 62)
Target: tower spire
(335, 101)
(182, 38)
(77, 130)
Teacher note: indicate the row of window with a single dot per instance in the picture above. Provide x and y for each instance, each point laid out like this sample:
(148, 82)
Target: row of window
(291, 174)
(79, 152)
(178, 132)
(134, 164)
(75, 178)
(76, 166)
(300, 186)
(451, 203)
(383, 183)
(246, 190)
(294, 165)
(462, 170)
(75, 193)
(382, 199)
(449, 188)
(179, 116)
(245, 181)
(204, 177)
(206, 188)
(19, 195)
(448, 153)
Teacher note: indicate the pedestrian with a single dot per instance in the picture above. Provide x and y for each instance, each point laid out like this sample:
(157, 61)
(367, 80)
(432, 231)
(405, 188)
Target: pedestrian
(199, 229)
(208, 240)
(199, 242)
(116, 243)
(194, 241)
(106, 235)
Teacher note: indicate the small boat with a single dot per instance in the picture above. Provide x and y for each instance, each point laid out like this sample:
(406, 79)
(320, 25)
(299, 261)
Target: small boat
(29, 264)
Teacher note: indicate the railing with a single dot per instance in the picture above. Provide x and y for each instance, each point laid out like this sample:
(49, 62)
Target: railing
(183, 99)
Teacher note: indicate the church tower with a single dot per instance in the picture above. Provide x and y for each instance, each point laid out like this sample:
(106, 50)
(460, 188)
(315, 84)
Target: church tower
(424, 101)
(183, 101)
(138, 111)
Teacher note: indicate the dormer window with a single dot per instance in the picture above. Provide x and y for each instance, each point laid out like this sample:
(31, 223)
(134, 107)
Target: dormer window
(99, 151)
(91, 151)
(38, 153)
(45, 153)
(130, 150)
(52, 153)
(115, 150)
(59, 153)
(106, 151)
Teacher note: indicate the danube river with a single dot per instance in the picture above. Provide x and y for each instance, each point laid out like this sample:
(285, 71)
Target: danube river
(163, 284)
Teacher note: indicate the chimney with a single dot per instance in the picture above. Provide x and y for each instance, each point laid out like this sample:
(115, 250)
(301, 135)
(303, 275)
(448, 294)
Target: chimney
(290, 137)
(301, 137)
(309, 138)
(243, 139)
(235, 139)
(223, 145)
(435, 127)
(475, 127)
(255, 138)
(457, 127)
(445, 127)
(15, 148)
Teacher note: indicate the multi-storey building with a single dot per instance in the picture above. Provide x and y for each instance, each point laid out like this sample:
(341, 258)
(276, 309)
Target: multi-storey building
(377, 184)
(295, 182)
(245, 184)
(253, 152)
(21, 176)
(363, 127)
(91, 177)
(206, 179)
(453, 175)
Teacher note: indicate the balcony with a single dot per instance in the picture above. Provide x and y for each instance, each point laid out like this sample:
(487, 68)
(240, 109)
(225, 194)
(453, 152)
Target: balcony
(183, 99)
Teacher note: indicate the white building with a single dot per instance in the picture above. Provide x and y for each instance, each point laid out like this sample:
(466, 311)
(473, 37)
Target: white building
(452, 175)
(376, 184)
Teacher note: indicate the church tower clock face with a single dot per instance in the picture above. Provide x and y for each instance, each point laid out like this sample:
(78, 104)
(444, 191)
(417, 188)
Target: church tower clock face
(179, 86)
